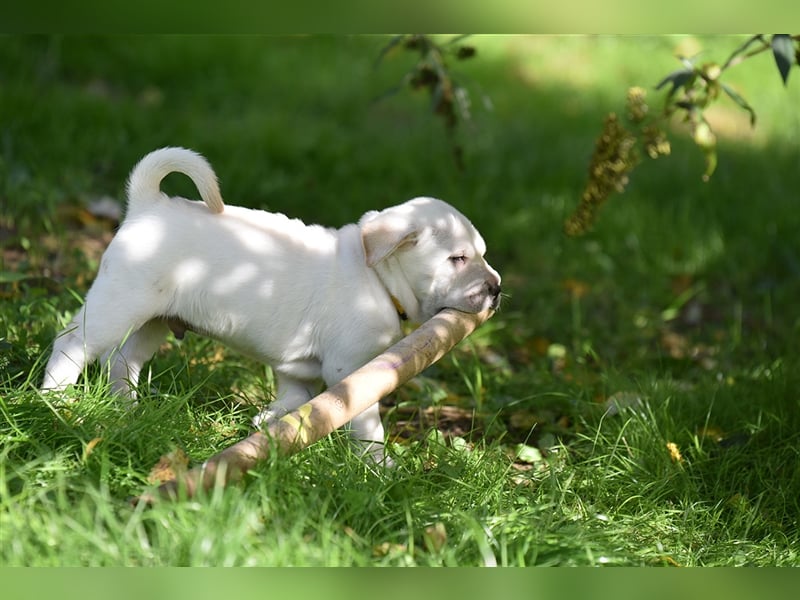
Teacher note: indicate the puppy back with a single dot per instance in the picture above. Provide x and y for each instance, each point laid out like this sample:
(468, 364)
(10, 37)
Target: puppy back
(144, 183)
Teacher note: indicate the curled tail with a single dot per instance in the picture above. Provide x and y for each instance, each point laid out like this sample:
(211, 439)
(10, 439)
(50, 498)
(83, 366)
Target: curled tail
(144, 183)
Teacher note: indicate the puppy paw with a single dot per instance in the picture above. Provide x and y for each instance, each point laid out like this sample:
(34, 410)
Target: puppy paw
(375, 453)
(259, 420)
(59, 396)
(263, 419)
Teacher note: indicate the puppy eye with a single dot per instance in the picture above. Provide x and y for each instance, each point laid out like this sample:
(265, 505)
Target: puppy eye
(458, 259)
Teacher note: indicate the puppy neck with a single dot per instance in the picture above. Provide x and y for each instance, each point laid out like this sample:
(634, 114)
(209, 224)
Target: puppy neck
(399, 292)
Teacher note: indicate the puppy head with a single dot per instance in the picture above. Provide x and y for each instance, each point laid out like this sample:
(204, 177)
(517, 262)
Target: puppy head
(427, 248)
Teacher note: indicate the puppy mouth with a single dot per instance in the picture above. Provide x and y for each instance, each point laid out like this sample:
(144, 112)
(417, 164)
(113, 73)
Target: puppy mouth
(487, 297)
(495, 301)
(478, 302)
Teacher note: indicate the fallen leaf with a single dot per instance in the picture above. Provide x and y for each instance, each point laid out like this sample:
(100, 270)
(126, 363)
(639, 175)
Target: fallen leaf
(681, 283)
(619, 401)
(525, 420)
(105, 207)
(435, 537)
(409, 420)
(710, 432)
(576, 288)
(674, 452)
(527, 454)
(557, 353)
(214, 359)
(676, 345)
(679, 347)
(387, 548)
(539, 345)
(90, 447)
(670, 561)
(169, 467)
(351, 533)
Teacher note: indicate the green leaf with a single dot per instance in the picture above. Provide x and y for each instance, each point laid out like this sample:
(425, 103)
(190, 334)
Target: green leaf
(711, 163)
(677, 78)
(385, 50)
(783, 51)
(527, 454)
(734, 58)
(392, 90)
(741, 102)
(12, 277)
(465, 52)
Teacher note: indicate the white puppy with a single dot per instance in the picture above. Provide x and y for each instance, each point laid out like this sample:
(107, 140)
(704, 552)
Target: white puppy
(315, 303)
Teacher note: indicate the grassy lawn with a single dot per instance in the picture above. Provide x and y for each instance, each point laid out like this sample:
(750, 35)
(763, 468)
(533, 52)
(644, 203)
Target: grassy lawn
(634, 402)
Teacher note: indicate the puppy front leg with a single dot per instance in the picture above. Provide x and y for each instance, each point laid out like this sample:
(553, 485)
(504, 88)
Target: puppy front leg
(290, 394)
(366, 429)
(367, 432)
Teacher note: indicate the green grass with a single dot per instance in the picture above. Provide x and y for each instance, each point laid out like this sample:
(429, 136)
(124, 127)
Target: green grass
(681, 304)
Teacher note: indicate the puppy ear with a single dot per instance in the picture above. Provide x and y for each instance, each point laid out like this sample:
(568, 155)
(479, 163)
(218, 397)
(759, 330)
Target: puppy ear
(383, 234)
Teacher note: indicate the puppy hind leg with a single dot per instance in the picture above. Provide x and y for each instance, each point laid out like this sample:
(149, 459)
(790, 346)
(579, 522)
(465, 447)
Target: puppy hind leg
(367, 432)
(69, 357)
(366, 429)
(107, 317)
(125, 363)
(76, 347)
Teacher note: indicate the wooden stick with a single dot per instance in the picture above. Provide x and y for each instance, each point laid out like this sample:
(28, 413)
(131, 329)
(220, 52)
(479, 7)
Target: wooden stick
(331, 409)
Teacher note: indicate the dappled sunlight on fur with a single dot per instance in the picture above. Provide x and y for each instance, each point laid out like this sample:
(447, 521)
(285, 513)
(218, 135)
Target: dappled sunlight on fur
(315, 303)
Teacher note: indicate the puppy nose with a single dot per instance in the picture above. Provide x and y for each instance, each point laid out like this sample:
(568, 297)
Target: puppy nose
(493, 283)
(494, 292)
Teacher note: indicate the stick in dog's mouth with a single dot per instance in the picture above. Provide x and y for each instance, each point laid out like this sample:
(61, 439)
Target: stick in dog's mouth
(330, 409)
